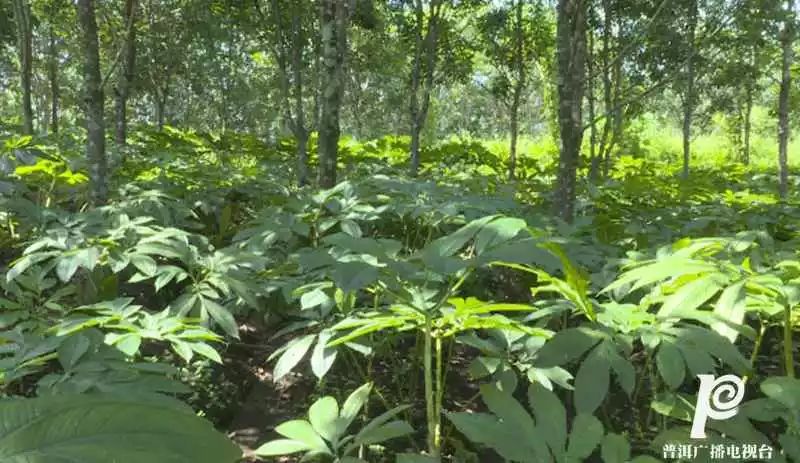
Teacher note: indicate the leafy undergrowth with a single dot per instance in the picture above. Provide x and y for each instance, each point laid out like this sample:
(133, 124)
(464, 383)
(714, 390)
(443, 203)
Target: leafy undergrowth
(394, 319)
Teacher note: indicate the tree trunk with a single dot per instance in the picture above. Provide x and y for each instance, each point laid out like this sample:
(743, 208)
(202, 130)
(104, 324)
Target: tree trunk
(22, 16)
(689, 97)
(519, 64)
(300, 131)
(783, 102)
(421, 86)
(334, 42)
(125, 77)
(571, 57)
(608, 103)
(93, 103)
(512, 151)
(161, 96)
(594, 167)
(52, 77)
(748, 112)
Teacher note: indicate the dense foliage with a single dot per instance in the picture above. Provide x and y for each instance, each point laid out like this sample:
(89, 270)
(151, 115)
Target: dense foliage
(402, 231)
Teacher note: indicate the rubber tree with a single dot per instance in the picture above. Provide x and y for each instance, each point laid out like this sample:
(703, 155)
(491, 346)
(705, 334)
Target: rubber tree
(334, 18)
(786, 39)
(22, 17)
(93, 102)
(125, 74)
(571, 68)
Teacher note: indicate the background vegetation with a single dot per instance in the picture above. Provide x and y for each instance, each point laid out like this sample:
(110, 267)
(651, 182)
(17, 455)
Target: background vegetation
(396, 231)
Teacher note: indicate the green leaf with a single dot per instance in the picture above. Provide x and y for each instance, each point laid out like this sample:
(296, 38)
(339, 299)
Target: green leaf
(222, 316)
(388, 431)
(129, 344)
(566, 346)
(670, 364)
(324, 415)
(587, 432)
(551, 417)
(784, 390)
(302, 431)
(98, 428)
(72, 349)
(592, 382)
(322, 357)
(731, 308)
(351, 228)
(655, 271)
(483, 366)
(692, 295)
(281, 447)
(414, 458)
(511, 412)
(295, 352)
(353, 404)
(66, 267)
(145, 264)
(497, 232)
(615, 449)
(206, 351)
(510, 442)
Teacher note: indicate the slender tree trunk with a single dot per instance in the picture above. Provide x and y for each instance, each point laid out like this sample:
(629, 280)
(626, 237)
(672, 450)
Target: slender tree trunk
(300, 131)
(594, 167)
(161, 96)
(748, 112)
(571, 57)
(787, 36)
(689, 97)
(425, 51)
(93, 103)
(609, 102)
(22, 16)
(512, 151)
(519, 64)
(125, 77)
(52, 76)
(334, 43)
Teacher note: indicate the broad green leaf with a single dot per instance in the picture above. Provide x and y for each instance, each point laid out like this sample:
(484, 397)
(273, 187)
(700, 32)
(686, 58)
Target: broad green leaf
(731, 308)
(784, 390)
(509, 442)
(587, 432)
(128, 343)
(656, 271)
(615, 449)
(222, 316)
(670, 364)
(592, 382)
(566, 346)
(384, 432)
(692, 295)
(551, 417)
(295, 352)
(281, 447)
(99, 428)
(323, 415)
(145, 264)
(414, 458)
(322, 357)
(302, 431)
(72, 349)
(511, 412)
(66, 267)
(206, 351)
(353, 404)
